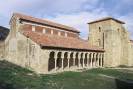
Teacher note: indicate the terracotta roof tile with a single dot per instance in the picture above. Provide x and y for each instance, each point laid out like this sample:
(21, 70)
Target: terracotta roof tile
(60, 41)
(45, 22)
(106, 18)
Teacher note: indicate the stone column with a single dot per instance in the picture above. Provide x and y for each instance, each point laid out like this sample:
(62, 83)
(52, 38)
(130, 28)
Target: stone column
(97, 59)
(55, 57)
(91, 58)
(94, 58)
(95, 54)
(88, 59)
(79, 56)
(62, 57)
(83, 60)
(93, 62)
(74, 57)
(68, 59)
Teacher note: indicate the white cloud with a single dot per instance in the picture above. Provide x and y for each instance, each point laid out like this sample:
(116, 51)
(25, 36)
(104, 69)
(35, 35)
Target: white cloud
(80, 20)
(75, 13)
(42, 8)
(46, 6)
(129, 2)
(128, 19)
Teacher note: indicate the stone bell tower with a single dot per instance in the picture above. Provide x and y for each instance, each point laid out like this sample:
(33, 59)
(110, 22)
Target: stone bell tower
(109, 34)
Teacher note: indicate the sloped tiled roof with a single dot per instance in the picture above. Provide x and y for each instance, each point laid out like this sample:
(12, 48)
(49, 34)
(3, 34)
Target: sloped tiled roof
(60, 41)
(106, 18)
(45, 22)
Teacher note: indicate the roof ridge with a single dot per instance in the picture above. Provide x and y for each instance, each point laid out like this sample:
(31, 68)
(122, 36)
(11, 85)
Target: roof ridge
(46, 21)
(106, 18)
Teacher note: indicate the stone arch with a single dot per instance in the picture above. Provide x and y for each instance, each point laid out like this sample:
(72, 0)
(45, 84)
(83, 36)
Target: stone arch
(96, 59)
(71, 59)
(102, 60)
(93, 59)
(90, 56)
(99, 59)
(85, 59)
(59, 60)
(65, 59)
(76, 59)
(51, 62)
(81, 59)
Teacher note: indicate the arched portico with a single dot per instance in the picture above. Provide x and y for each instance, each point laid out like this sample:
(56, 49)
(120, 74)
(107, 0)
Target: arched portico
(63, 60)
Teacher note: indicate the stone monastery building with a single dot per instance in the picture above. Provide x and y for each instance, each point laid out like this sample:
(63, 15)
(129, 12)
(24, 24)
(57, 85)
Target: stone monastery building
(47, 47)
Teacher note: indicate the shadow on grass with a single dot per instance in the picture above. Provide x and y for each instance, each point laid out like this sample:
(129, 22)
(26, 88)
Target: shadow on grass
(124, 66)
(4, 85)
(121, 84)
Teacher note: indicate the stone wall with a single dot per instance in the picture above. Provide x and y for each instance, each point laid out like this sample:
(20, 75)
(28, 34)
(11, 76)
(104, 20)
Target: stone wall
(1, 50)
(130, 60)
(23, 51)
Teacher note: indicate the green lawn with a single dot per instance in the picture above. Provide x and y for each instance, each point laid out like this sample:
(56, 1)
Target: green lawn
(13, 76)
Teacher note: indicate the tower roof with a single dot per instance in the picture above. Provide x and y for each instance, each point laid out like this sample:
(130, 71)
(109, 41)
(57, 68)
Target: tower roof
(106, 18)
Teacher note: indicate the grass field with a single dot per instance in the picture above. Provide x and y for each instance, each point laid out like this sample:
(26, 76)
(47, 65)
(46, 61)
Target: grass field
(13, 76)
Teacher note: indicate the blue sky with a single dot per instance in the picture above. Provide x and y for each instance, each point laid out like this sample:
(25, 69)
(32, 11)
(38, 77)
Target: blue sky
(76, 13)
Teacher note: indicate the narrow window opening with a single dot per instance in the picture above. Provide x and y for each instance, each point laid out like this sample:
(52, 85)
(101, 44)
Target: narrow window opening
(33, 28)
(99, 29)
(65, 34)
(44, 31)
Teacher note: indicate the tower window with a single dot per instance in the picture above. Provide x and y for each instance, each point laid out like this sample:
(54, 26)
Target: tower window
(99, 42)
(99, 29)
(118, 29)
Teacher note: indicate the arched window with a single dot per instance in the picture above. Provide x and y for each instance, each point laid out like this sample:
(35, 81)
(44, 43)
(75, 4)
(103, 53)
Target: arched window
(51, 62)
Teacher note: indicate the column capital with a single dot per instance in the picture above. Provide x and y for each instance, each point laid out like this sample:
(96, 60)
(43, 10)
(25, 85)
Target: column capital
(56, 53)
(74, 54)
(68, 54)
(88, 52)
(94, 54)
(84, 54)
(62, 54)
